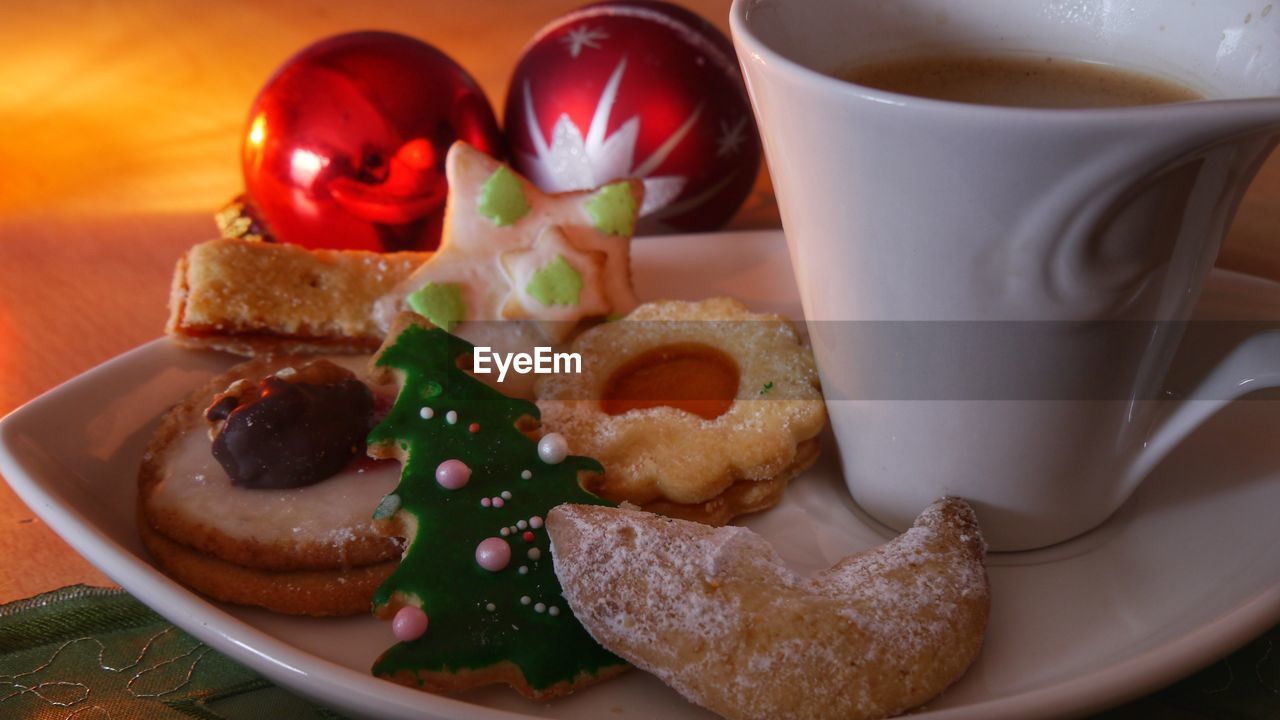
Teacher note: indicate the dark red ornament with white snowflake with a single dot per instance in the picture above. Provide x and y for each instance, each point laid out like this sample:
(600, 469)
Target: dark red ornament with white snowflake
(345, 144)
(629, 88)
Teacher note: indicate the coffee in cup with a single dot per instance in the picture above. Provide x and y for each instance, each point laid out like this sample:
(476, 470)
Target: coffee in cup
(1031, 81)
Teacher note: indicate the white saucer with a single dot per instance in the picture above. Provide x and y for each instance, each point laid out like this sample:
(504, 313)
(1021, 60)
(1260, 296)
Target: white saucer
(1185, 572)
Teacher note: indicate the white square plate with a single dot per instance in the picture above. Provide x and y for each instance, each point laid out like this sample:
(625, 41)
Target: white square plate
(1185, 572)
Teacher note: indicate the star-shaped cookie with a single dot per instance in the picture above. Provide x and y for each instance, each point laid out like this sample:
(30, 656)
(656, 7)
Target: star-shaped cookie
(511, 252)
(554, 281)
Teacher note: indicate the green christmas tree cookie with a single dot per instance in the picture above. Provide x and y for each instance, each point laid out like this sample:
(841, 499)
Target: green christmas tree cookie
(477, 572)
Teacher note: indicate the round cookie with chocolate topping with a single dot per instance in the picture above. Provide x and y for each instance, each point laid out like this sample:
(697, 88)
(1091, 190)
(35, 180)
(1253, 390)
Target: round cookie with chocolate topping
(256, 489)
(697, 410)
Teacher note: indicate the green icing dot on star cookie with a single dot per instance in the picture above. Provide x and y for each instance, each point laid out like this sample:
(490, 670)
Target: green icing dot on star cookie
(555, 283)
(502, 198)
(613, 209)
(441, 303)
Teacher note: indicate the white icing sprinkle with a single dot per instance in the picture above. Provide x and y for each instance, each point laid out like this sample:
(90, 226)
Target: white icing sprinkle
(525, 599)
(540, 607)
(553, 448)
(427, 413)
(525, 474)
(506, 494)
(451, 417)
(524, 570)
(535, 522)
(534, 553)
(522, 525)
(504, 532)
(553, 611)
(490, 607)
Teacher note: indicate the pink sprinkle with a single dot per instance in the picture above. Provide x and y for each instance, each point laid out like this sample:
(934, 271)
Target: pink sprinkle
(528, 536)
(409, 623)
(474, 427)
(498, 502)
(485, 502)
(493, 554)
(452, 474)
(535, 522)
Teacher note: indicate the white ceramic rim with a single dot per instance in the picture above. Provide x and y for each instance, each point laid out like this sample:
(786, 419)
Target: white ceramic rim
(745, 39)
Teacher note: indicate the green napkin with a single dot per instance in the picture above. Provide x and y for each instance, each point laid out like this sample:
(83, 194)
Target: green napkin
(1245, 685)
(98, 654)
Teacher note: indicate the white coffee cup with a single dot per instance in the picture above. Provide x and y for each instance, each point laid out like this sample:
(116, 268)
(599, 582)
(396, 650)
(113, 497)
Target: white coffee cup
(995, 294)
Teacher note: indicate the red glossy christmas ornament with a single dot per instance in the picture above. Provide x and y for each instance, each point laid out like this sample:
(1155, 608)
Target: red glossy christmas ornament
(630, 88)
(345, 144)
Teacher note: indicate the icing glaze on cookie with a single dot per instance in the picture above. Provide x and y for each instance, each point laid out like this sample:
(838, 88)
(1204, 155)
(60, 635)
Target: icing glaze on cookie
(340, 504)
(475, 563)
(331, 509)
(512, 252)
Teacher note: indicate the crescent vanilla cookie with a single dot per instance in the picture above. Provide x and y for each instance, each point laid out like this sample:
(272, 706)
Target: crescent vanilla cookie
(715, 614)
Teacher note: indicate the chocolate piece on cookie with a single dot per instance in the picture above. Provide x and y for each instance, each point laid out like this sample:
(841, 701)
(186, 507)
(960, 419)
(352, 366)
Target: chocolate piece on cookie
(310, 549)
(290, 432)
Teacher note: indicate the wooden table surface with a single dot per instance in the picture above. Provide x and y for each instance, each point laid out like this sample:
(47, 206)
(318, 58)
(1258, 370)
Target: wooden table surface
(119, 130)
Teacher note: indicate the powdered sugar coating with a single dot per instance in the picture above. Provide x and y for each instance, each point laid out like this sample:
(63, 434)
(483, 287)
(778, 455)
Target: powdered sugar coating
(714, 613)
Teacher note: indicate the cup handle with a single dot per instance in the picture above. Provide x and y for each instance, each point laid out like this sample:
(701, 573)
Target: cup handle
(1252, 365)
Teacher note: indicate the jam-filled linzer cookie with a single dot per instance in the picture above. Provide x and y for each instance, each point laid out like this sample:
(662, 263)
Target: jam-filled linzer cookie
(256, 490)
(715, 614)
(698, 410)
(475, 600)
